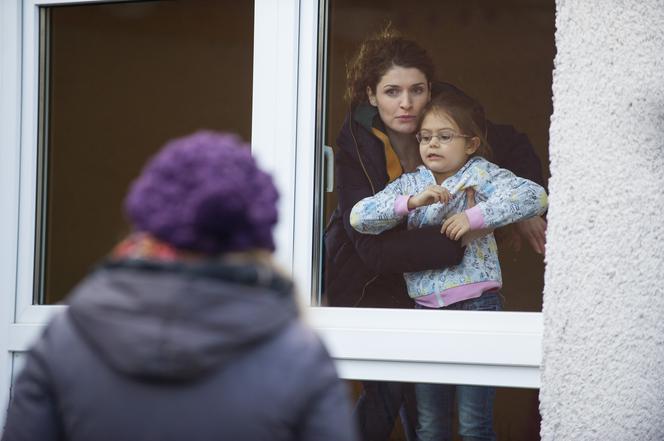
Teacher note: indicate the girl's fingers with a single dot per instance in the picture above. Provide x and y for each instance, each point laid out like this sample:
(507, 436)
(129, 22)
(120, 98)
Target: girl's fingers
(470, 197)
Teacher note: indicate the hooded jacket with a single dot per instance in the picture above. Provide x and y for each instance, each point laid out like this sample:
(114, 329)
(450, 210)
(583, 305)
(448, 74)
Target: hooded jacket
(155, 351)
(367, 270)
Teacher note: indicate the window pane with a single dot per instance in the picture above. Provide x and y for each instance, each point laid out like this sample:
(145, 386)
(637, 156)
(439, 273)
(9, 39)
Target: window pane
(118, 80)
(500, 53)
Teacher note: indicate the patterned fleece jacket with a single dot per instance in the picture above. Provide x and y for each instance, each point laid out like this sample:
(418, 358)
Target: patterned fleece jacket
(502, 198)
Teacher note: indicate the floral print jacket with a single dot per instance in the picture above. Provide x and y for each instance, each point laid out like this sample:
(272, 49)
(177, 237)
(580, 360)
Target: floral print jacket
(501, 198)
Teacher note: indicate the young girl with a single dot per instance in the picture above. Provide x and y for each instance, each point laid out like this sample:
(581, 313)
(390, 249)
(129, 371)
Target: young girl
(453, 149)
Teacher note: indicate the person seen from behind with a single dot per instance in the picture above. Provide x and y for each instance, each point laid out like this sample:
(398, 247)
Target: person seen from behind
(187, 331)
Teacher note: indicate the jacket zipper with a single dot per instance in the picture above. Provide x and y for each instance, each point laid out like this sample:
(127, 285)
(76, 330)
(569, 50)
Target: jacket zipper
(373, 191)
(359, 156)
(364, 290)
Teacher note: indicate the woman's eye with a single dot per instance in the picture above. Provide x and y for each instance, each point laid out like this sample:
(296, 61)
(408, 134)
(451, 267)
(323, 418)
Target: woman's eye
(418, 90)
(392, 92)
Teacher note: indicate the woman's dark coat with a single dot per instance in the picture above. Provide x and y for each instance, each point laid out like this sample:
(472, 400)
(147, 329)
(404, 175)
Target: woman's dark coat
(179, 352)
(367, 270)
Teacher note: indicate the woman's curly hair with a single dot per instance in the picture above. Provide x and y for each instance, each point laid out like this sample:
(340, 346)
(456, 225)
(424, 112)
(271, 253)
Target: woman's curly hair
(376, 56)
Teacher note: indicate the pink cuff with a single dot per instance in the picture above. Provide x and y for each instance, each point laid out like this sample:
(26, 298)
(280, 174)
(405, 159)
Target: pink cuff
(475, 217)
(401, 205)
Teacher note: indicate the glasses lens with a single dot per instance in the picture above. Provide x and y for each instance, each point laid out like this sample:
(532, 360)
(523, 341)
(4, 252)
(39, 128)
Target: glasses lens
(423, 138)
(446, 136)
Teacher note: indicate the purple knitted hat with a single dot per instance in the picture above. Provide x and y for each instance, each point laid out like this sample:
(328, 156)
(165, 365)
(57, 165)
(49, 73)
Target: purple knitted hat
(205, 193)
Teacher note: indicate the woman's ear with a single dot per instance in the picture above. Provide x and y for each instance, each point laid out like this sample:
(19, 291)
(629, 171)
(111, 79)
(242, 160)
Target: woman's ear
(473, 145)
(372, 97)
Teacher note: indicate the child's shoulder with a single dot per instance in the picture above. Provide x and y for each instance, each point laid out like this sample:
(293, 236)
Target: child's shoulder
(480, 162)
(421, 173)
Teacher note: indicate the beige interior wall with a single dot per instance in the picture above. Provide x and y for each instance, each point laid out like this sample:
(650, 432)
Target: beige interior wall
(124, 79)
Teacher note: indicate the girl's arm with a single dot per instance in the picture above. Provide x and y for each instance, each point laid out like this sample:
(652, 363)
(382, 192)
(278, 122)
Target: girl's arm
(382, 211)
(505, 198)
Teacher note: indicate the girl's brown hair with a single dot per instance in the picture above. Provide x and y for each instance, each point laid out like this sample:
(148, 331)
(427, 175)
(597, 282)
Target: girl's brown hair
(376, 56)
(466, 112)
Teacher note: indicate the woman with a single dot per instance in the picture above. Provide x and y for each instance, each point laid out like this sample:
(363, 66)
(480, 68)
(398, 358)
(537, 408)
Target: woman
(389, 82)
(187, 332)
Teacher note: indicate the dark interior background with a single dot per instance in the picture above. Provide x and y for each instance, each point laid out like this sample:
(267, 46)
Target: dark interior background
(124, 78)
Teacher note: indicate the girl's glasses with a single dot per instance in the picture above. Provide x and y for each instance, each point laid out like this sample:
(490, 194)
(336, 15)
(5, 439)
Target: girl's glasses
(444, 136)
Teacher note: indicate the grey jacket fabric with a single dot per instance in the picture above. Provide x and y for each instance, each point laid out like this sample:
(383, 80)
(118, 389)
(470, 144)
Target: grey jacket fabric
(179, 352)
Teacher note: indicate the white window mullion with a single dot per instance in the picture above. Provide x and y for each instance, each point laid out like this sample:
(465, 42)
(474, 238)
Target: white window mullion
(274, 107)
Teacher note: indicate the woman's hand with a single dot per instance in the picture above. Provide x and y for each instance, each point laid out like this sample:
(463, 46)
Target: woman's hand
(534, 231)
(456, 226)
(431, 195)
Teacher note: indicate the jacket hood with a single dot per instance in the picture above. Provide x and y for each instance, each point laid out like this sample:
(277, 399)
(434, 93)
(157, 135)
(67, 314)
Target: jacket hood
(179, 321)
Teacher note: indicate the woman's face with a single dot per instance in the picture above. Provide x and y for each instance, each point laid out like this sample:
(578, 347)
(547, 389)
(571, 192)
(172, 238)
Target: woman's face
(400, 96)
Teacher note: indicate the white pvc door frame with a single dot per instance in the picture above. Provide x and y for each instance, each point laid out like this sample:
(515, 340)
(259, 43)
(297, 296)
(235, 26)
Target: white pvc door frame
(502, 349)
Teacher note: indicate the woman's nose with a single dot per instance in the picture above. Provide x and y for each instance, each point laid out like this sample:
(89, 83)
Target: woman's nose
(406, 102)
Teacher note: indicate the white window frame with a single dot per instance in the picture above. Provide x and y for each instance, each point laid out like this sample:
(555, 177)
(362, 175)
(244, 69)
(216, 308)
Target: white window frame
(502, 349)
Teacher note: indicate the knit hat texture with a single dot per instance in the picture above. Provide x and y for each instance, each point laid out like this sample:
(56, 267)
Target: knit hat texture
(205, 193)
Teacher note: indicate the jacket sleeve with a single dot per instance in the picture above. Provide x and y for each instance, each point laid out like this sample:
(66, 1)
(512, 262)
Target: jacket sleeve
(512, 150)
(32, 413)
(375, 214)
(329, 416)
(394, 251)
(503, 197)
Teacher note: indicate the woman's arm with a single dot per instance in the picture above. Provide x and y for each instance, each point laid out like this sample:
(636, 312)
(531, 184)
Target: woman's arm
(394, 251)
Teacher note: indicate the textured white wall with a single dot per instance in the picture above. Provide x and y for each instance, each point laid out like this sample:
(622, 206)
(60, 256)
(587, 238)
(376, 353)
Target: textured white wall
(603, 353)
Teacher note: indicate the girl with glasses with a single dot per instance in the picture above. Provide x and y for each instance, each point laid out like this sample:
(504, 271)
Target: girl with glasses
(453, 148)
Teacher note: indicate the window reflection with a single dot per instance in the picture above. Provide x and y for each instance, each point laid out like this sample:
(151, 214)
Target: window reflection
(119, 80)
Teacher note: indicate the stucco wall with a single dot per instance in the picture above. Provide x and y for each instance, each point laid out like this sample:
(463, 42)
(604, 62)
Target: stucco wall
(603, 353)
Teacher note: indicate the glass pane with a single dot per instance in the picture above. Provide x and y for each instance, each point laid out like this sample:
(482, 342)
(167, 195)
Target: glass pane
(501, 54)
(515, 412)
(118, 80)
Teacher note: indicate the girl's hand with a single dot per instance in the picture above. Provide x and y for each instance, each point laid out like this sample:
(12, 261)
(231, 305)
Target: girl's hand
(456, 226)
(476, 234)
(431, 195)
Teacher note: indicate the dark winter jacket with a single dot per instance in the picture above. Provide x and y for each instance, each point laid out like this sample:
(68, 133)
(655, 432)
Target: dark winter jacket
(367, 270)
(179, 352)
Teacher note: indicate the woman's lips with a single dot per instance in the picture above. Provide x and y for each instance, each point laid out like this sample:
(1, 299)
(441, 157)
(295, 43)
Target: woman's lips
(406, 118)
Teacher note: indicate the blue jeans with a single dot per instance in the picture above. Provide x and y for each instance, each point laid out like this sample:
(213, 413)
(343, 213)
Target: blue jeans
(474, 403)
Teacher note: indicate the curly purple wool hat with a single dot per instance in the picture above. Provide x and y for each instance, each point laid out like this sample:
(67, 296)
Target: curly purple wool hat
(205, 193)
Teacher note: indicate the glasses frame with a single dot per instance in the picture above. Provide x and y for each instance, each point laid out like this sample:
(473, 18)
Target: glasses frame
(418, 136)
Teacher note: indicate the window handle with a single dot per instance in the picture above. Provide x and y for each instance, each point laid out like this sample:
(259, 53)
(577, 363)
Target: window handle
(328, 155)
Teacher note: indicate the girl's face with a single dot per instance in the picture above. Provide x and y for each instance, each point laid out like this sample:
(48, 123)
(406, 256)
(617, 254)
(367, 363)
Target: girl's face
(446, 152)
(400, 96)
